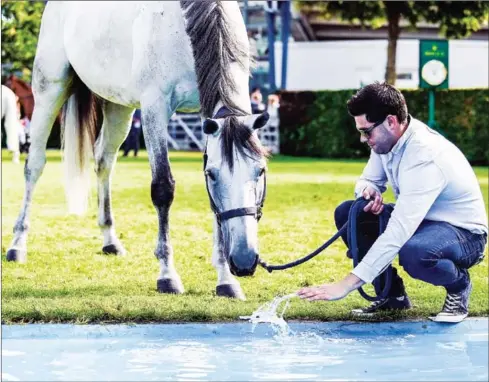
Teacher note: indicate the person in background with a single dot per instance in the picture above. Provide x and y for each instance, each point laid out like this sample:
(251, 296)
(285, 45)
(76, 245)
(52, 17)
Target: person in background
(21, 126)
(132, 140)
(438, 225)
(256, 98)
(272, 109)
(24, 135)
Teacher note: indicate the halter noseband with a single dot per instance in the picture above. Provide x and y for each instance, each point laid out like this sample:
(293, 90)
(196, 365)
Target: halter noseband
(256, 211)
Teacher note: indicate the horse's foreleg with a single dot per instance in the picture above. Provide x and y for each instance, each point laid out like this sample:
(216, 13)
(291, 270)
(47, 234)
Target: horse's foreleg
(155, 122)
(227, 285)
(16, 156)
(12, 125)
(116, 124)
(48, 105)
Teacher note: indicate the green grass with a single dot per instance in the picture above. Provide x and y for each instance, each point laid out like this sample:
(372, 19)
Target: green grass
(68, 279)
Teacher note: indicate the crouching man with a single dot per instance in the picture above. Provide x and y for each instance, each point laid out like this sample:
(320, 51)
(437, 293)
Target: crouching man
(438, 225)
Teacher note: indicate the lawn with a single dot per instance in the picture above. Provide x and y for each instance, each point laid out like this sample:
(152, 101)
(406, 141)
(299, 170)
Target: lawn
(68, 279)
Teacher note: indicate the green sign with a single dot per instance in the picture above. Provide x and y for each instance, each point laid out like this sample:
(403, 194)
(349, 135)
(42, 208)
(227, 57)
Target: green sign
(433, 64)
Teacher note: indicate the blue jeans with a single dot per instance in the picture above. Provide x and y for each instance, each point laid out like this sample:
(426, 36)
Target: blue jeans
(438, 253)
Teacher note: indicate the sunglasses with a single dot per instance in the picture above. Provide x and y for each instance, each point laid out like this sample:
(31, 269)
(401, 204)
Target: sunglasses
(367, 133)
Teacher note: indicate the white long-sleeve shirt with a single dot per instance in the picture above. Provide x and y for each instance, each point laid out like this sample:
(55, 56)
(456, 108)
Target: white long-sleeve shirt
(431, 179)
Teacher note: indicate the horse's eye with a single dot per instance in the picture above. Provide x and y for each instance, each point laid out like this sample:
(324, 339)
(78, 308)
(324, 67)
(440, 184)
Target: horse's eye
(211, 175)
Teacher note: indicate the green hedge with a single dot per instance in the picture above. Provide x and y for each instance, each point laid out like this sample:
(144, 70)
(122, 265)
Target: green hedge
(317, 124)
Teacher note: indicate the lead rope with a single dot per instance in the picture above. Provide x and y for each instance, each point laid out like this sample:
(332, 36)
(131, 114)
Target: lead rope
(351, 233)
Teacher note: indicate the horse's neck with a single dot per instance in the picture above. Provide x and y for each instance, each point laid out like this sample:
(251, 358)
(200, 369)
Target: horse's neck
(241, 96)
(23, 86)
(241, 76)
(229, 76)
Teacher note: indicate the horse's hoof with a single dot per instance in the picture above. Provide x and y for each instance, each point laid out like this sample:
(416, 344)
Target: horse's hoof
(114, 249)
(169, 286)
(231, 291)
(18, 255)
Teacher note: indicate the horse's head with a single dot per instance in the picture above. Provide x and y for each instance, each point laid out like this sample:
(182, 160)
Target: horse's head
(235, 167)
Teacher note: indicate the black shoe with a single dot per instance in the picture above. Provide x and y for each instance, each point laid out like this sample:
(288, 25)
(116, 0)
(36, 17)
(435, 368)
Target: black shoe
(456, 306)
(389, 303)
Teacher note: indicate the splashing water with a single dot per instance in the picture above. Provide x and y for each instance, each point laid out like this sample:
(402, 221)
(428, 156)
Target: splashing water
(267, 313)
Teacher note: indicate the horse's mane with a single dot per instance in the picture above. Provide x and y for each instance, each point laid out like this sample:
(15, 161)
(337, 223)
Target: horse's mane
(214, 49)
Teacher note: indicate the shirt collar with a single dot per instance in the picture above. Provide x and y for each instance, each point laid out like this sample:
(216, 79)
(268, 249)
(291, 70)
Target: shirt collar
(404, 137)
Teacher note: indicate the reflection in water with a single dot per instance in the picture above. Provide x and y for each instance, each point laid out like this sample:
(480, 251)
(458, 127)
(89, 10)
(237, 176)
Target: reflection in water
(231, 352)
(187, 360)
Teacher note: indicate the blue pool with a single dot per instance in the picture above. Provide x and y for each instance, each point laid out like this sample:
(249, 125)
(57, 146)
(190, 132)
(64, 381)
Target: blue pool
(405, 351)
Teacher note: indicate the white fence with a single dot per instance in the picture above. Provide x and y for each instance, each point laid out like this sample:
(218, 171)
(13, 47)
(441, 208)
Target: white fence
(185, 133)
(335, 65)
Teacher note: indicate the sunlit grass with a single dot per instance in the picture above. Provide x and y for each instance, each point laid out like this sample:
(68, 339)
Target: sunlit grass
(68, 279)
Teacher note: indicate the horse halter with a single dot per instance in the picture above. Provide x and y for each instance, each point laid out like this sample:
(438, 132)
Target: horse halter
(237, 212)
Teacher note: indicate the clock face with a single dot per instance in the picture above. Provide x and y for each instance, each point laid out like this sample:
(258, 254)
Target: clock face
(434, 72)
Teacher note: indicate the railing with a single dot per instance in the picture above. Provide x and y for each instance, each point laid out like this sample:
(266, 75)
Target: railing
(185, 133)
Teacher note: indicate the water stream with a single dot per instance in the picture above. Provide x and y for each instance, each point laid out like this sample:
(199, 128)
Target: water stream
(267, 313)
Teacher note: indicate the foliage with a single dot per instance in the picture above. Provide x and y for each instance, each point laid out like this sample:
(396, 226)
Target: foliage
(68, 279)
(21, 22)
(457, 19)
(317, 124)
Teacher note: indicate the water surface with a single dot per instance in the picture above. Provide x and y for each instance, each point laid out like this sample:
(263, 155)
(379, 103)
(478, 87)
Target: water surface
(406, 351)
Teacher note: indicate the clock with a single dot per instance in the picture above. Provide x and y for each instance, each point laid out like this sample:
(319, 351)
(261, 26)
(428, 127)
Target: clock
(434, 72)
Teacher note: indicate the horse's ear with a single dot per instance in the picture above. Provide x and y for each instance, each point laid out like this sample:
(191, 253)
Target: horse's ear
(210, 126)
(261, 120)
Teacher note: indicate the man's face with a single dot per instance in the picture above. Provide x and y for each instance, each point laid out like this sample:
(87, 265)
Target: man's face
(257, 97)
(379, 136)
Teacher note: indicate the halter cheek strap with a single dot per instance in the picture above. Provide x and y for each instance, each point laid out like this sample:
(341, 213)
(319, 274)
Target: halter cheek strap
(237, 212)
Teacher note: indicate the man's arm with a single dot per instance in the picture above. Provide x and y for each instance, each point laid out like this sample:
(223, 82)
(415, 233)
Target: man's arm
(373, 176)
(420, 185)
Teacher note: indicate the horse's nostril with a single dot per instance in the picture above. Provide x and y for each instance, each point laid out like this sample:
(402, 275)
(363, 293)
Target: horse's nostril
(241, 272)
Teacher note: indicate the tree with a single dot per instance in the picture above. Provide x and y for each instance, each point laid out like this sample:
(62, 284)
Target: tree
(21, 22)
(457, 19)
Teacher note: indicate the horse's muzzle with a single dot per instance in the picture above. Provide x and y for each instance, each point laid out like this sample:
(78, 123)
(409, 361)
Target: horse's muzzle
(241, 271)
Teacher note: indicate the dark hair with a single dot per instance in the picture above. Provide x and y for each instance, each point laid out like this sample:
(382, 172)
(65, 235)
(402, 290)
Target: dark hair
(255, 89)
(377, 101)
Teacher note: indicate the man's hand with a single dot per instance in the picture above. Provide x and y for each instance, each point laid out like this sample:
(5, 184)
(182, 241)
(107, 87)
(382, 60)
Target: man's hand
(328, 292)
(331, 292)
(375, 205)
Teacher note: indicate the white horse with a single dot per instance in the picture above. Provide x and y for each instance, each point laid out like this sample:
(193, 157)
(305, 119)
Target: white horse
(160, 57)
(11, 121)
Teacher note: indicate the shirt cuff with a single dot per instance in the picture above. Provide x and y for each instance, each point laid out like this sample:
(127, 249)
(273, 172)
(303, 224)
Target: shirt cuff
(365, 272)
(362, 186)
